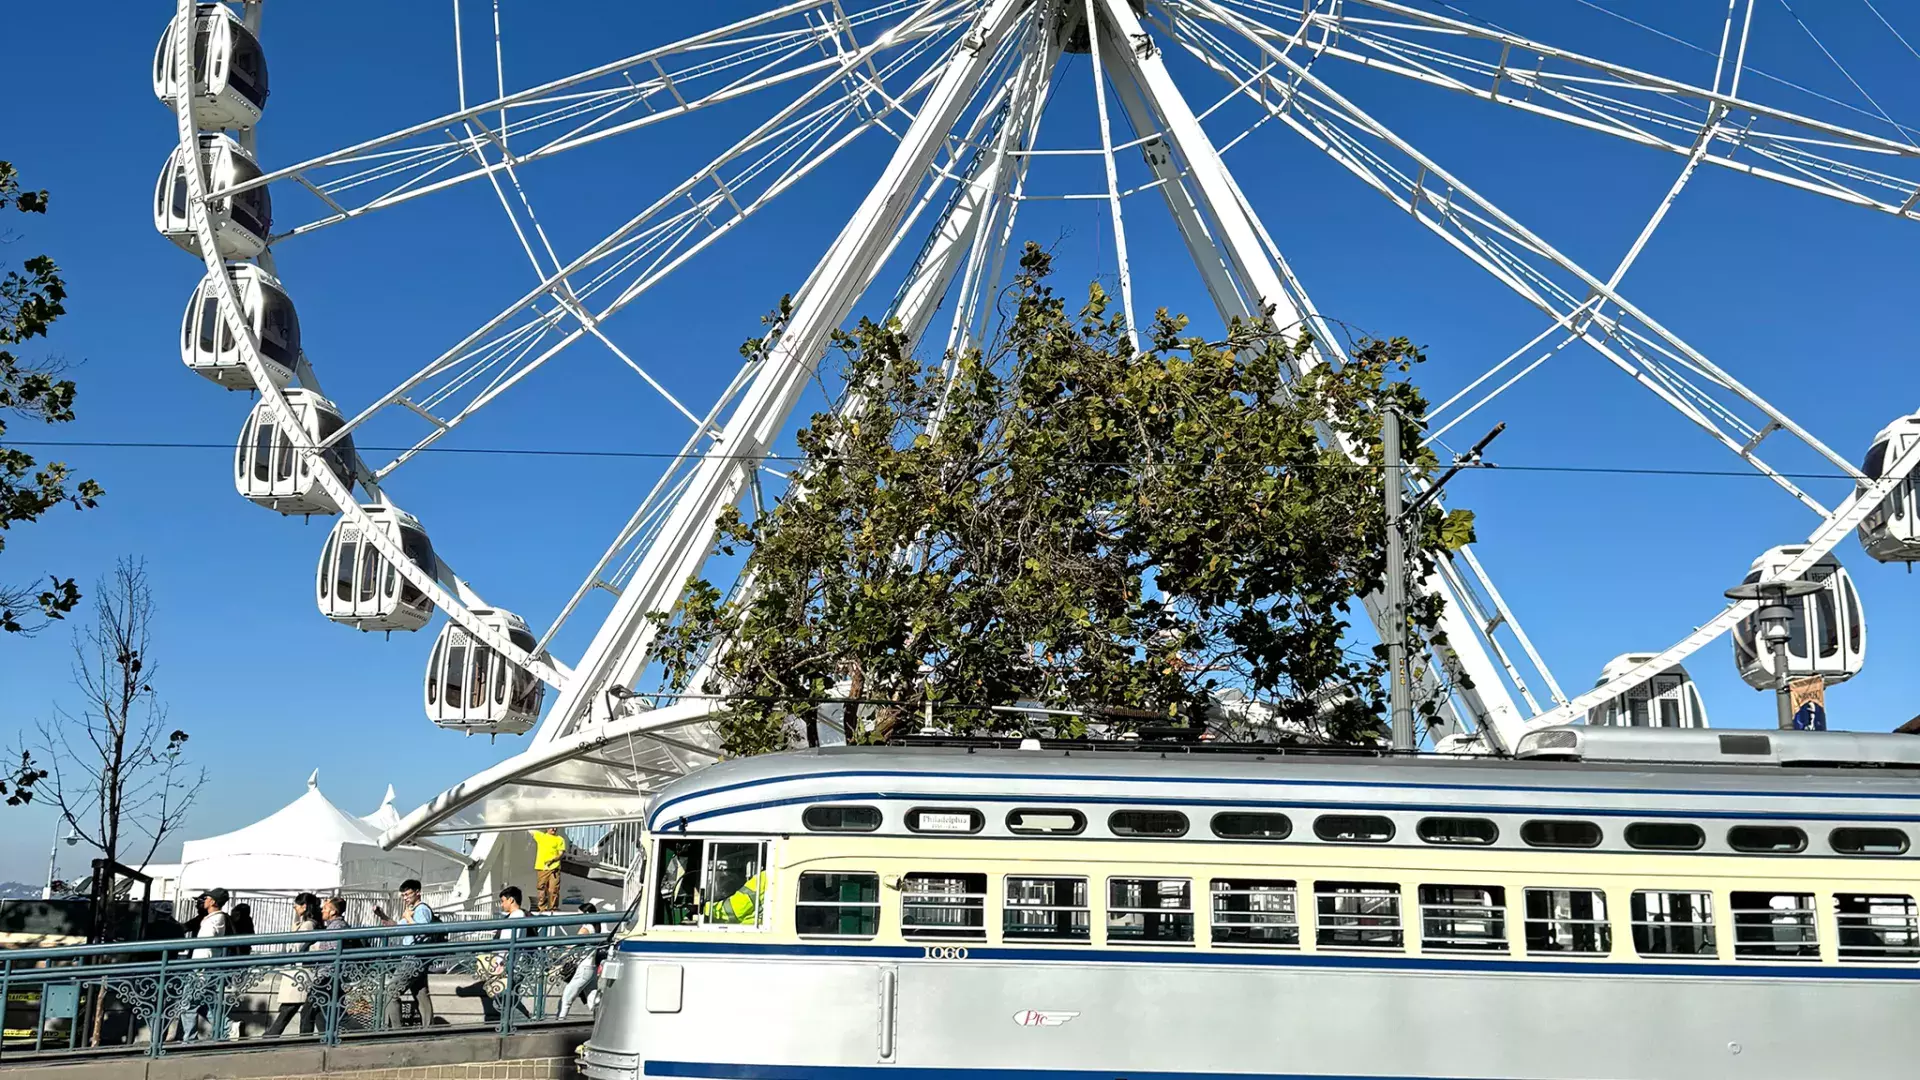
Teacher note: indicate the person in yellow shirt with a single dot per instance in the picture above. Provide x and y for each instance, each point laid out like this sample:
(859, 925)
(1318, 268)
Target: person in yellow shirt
(548, 846)
(743, 906)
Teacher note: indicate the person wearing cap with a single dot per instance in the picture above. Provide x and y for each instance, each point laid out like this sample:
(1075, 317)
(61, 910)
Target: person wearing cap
(212, 924)
(213, 921)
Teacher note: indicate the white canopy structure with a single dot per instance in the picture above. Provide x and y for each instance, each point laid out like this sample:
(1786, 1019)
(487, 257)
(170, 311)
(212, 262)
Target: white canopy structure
(314, 845)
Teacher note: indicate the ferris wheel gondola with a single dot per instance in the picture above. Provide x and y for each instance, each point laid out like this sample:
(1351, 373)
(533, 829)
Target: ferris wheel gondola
(207, 345)
(1668, 700)
(270, 470)
(358, 587)
(470, 687)
(241, 222)
(229, 70)
(1892, 532)
(1828, 630)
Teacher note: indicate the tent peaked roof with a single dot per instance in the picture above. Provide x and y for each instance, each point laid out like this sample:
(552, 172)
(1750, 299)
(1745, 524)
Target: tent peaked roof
(386, 817)
(310, 824)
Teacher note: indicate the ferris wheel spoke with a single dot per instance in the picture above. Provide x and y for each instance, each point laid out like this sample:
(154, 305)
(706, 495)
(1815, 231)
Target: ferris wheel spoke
(738, 184)
(1004, 121)
(1758, 140)
(1494, 240)
(793, 42)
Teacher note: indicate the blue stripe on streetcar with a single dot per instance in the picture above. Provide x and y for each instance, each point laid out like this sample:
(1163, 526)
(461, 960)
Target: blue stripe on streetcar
(697, 1070)
(660, 811)
(1320, 961)
(1332, 807)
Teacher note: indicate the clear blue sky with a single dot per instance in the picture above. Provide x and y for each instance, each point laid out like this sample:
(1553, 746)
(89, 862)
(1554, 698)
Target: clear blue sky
(1809, 301)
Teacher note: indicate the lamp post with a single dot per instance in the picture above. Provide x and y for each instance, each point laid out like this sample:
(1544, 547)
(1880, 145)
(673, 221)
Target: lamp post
(53, 857)
(1776, 619)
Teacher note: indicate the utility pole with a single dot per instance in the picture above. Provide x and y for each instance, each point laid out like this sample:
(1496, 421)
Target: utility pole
(1399, 694)
(1399, 519)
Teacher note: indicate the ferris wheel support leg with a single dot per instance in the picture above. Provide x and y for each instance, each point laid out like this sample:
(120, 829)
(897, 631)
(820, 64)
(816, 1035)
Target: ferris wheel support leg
(1150, 94)
(621, 647)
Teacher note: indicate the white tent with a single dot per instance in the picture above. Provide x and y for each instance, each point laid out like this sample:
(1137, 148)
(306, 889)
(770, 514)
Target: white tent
(314, 845)
(384, 818)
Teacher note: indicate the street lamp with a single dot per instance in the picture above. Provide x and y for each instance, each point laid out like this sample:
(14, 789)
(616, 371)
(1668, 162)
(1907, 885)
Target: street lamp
(1775, 619)
(53, 857)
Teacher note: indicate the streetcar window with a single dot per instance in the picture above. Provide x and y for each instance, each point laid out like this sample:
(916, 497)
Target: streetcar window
(1568, 921)
(1245, 826)
(1560, 833)
(1862, 841)
(1672, 923)
(1357, 915)
(1255, 913)
(1665, 836)
(943, 906)
(1767, 839)
(1047, 909)
(676, 890)
(838, 904)
(736, 883)
(1877, 926)
(1773, 926)
(1158, 823)
(1353, 828)
(1030, 822)
(1464, 831)
(1149, 911)
(945, 819)
(1463, 918)
(841, 818)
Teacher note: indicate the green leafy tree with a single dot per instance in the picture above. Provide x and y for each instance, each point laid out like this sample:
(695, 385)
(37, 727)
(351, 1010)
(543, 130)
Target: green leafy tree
(1064, 521)
(31, 298)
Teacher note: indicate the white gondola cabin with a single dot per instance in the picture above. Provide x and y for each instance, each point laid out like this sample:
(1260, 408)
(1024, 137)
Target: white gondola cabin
(472, 688)
(1892, 532)
(1668, 700)
(241, 223)
(229, 70)
(358, 587)
(206, 342)
(269, 470)
(1828, 632)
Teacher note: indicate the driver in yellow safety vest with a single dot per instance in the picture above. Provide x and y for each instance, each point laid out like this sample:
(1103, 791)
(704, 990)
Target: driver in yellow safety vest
(742, 906)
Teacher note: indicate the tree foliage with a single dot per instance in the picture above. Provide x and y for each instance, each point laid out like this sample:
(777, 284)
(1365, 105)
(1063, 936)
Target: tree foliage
(31, 297)
(1063, 521)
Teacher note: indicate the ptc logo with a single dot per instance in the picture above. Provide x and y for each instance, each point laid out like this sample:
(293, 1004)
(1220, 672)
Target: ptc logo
(1037, 1018)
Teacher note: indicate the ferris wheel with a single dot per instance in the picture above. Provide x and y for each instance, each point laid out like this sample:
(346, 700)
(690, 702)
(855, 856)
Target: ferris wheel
(965, 98)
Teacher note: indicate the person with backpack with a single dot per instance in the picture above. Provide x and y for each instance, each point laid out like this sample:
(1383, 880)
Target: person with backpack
(413, 912)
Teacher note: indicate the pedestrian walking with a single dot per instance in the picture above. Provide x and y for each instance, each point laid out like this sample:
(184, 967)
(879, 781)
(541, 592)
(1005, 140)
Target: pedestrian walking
(586, 971)
(306, 917)
(413, 912)
(212, 923)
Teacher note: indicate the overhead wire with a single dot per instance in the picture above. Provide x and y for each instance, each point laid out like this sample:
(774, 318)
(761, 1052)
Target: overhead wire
(651, 455)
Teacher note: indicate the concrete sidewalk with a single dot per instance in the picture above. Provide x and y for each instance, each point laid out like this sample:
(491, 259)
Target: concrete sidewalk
(545, 1054)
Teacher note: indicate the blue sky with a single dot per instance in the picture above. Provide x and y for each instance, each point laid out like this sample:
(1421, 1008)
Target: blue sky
(1806, 300)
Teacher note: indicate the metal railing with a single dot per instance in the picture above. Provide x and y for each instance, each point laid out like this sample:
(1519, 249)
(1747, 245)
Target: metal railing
(326, 986)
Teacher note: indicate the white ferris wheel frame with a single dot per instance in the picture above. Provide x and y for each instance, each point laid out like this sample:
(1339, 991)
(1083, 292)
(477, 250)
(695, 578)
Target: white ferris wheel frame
(628, 750)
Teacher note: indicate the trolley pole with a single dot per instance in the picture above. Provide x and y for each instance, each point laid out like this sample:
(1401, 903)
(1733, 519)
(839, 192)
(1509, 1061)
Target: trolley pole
(1399, 694)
